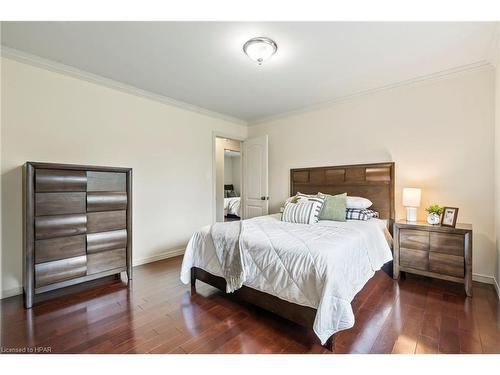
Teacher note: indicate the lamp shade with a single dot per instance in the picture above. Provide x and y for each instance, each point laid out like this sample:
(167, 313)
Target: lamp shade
(411, 197)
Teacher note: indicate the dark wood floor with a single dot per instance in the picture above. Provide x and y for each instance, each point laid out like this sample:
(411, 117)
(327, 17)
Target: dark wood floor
(157, 314)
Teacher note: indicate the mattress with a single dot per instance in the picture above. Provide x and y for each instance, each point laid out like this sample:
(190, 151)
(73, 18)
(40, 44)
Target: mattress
(321, 265)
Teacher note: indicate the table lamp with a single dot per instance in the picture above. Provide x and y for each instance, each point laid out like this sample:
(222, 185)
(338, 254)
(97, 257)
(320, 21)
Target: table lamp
(411, 200)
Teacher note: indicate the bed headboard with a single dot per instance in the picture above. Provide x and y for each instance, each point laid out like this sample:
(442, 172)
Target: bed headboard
(373, 181)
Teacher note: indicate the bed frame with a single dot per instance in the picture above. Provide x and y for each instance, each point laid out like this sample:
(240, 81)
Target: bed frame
(373, 181)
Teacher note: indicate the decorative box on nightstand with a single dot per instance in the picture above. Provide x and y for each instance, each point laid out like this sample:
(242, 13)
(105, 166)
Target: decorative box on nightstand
(434, 251)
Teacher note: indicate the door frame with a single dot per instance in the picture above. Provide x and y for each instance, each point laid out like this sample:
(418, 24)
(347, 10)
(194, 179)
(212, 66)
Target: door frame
(217, 134)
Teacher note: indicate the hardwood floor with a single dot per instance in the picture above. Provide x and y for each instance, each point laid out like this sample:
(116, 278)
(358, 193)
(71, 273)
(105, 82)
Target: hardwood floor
(158, 315)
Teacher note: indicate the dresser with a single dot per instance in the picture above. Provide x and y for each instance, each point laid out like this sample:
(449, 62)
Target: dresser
(434, 251)
(77, 225)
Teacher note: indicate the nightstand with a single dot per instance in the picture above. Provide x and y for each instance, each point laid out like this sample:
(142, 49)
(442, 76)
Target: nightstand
(434, 251)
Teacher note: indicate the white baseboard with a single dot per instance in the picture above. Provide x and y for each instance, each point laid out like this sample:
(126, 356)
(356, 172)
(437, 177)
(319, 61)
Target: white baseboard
(483, 278)
(487, 280)
(497, 288)
(154, 258)
(6, 293)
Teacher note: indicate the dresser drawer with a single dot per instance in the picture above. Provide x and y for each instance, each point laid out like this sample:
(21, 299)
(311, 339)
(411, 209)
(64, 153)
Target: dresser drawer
(451, 265)
(106, 260)
(59, 248)
(60, 226)
(418, 259)
(106, 201)
(414, 239)
(452, 244)
(106, 181)
(60, 270)
(106, 221)
(51, 180)
(97, 242)
(59, 203)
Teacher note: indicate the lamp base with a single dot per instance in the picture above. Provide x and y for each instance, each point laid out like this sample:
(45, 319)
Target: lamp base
(411, 214)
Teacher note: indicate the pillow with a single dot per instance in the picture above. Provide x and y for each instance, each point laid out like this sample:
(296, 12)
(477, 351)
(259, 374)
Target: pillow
(334, 208)
(302, 213)
(295, 198)
(358, 202)
(360, 214)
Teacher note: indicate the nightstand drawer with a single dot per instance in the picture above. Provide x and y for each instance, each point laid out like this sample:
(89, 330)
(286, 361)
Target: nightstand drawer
(451, 265)
(414, 239)
(452, 244)
(417, 259)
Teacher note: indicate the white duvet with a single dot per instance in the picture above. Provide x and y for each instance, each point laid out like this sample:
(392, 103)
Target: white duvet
(232, 206)
(322, 265)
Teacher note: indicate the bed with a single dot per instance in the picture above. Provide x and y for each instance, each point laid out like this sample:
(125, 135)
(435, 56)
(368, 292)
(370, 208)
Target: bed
(232, 206)
(308, 273)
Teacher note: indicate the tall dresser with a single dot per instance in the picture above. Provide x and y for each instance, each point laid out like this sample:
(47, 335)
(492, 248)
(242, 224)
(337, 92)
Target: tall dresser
(77, 225)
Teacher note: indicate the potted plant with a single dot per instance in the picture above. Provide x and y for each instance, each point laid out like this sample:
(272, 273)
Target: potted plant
(434, 213)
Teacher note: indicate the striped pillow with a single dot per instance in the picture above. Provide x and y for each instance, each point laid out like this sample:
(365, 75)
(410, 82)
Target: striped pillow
(302, 212)
(360, 214)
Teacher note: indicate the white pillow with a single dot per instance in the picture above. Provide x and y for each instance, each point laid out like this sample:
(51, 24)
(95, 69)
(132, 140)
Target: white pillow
(358, 202)
(305, 212)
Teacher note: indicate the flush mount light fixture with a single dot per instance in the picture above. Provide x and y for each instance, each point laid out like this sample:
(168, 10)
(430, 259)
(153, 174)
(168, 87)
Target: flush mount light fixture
(260, 49)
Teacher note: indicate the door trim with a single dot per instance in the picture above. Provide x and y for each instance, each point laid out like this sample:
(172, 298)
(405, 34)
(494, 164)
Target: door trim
(217, 134)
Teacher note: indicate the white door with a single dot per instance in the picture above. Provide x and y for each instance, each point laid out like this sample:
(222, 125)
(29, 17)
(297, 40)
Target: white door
(255, 185)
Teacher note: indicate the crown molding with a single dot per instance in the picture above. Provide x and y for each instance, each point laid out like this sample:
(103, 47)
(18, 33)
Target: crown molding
(323, 105)
(40, 62)
(50, 65)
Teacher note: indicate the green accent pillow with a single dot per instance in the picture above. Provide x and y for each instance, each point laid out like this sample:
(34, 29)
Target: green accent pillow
(334, 207)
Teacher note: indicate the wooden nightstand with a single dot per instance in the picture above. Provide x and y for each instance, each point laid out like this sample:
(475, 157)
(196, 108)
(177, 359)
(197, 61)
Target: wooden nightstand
(434, 251)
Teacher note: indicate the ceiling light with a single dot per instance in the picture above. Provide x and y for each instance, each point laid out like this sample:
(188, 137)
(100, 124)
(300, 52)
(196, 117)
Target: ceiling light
(260, 49)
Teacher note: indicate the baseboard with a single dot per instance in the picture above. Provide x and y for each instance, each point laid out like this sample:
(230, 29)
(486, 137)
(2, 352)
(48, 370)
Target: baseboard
(154, 258)
(6, 293)
(497, 288)
(137, 262)
(483, 278)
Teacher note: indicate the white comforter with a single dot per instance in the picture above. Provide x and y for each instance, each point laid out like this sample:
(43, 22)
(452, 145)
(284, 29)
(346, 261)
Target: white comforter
(232, 206)
(323, 265)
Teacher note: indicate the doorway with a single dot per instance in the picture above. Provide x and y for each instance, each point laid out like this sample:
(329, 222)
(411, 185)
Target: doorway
(228, 179)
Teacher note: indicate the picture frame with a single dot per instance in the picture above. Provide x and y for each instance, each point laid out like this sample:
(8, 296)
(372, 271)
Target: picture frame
(449, 217)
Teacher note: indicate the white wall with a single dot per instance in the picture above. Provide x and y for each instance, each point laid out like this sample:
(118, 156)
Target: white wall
(496, 61)
(439, 133)
(52, 117)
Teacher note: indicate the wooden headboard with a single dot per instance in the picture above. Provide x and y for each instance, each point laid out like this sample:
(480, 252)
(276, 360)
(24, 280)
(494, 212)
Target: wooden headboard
(373, 181)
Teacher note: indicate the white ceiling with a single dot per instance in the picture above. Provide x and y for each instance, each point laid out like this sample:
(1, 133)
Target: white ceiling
(202, 63)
